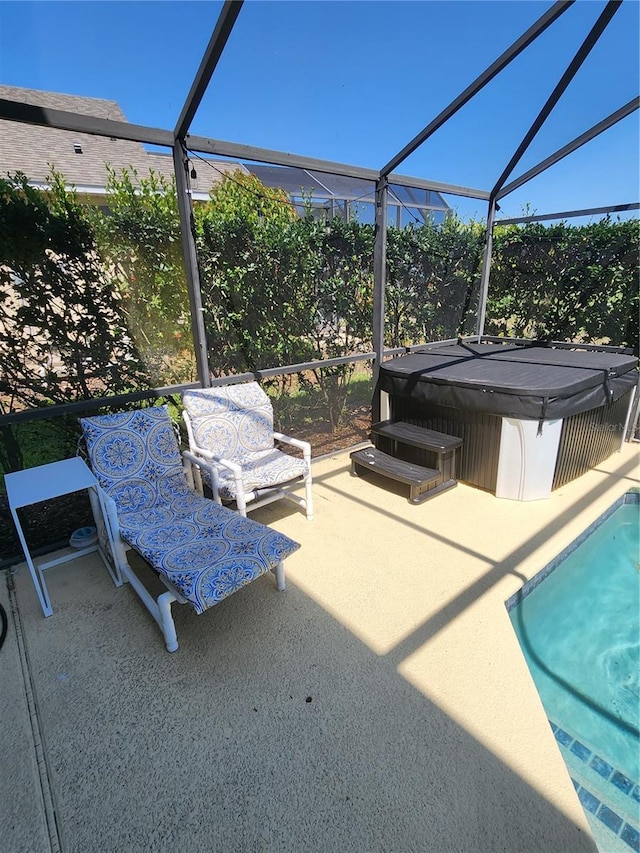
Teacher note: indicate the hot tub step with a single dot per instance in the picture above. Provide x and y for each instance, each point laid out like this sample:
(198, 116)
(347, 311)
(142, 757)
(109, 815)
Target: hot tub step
(417, 436)
(423, 482)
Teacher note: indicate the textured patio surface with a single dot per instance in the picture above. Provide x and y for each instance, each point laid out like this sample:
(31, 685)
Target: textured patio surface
(380, 704)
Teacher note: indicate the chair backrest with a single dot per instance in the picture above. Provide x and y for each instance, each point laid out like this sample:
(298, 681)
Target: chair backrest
(135, 457)
(230, 420)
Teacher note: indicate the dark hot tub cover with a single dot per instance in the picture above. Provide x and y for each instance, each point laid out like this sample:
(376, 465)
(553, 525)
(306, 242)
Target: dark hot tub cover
(520, 381)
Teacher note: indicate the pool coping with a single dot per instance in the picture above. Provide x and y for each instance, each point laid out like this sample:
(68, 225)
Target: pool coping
(598, 802)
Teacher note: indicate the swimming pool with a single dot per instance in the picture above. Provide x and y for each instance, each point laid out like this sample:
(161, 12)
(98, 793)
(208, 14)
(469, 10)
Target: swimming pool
(578, 624)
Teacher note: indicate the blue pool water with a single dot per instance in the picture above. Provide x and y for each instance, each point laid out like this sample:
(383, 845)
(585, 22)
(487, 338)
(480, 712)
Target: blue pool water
(579, 630)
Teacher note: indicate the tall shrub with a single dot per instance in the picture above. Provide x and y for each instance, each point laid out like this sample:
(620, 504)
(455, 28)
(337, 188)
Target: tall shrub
(63, 336)
(254, 308)
(566, 282)
(140, 242)
(279, 289)
(432, 281)
(341, 297)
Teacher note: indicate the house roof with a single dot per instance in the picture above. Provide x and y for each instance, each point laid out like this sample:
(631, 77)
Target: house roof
(206, 175)
(83, 157)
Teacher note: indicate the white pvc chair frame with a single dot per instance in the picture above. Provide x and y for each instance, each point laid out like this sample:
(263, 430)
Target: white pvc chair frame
(248, 501)
(160, 607)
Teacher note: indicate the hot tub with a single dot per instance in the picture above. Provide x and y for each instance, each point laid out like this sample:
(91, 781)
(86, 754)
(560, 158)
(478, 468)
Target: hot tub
(532, 416)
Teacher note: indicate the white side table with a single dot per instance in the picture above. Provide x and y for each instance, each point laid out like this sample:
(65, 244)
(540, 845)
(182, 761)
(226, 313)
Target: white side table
(52, 481)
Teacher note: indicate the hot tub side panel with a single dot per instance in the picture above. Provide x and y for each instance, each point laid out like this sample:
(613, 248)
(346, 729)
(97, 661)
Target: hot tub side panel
(588, 438)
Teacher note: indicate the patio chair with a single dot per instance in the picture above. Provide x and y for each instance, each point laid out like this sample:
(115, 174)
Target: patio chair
(231, 426)
(201, 551)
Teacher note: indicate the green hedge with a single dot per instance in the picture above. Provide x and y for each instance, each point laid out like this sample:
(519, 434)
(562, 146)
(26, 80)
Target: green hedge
(565, 282)
(94, 301)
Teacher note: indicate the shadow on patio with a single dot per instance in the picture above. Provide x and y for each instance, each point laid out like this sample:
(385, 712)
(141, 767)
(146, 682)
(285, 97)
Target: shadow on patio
(380, 704)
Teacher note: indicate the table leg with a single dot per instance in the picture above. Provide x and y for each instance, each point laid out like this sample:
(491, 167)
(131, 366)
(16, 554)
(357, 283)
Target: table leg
(36, 574)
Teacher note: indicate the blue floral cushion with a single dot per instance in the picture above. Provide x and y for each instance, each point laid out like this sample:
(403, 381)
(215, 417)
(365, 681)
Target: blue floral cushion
(235, 419)
(206, 551)
(236, 423)
(262, 470)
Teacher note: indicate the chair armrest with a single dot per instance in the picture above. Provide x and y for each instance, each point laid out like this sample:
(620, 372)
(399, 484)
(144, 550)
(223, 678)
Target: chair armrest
(201, 453)
(294, 442)
(200, 456)
(192, 464)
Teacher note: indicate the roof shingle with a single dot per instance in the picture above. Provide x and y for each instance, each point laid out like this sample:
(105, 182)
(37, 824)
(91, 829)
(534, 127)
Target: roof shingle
(82, 158)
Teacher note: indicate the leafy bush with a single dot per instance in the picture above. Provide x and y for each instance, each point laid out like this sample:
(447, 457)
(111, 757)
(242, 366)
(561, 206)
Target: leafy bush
(95, 302)
(141, 247)
(433, 277)
(255, 308)
(279, 289)
(63, 336)
(567, 283)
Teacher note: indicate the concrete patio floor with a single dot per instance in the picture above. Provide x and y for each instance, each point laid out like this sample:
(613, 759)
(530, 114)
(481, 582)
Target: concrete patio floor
(380, 704)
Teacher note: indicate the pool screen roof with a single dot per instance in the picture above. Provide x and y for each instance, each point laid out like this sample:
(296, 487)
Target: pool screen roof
(298, 182)
(343, 180)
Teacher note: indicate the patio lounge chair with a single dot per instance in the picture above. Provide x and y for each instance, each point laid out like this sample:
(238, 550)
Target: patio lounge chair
(201, 551)
(231, 426)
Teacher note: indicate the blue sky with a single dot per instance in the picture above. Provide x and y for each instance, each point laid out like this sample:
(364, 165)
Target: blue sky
(355, 81)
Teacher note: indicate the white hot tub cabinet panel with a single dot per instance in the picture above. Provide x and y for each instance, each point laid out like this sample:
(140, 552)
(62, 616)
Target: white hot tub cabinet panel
(527, 460)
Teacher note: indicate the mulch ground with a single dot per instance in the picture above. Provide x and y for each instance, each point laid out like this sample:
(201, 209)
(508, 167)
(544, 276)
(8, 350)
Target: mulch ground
(324, 441)
(47, 526)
